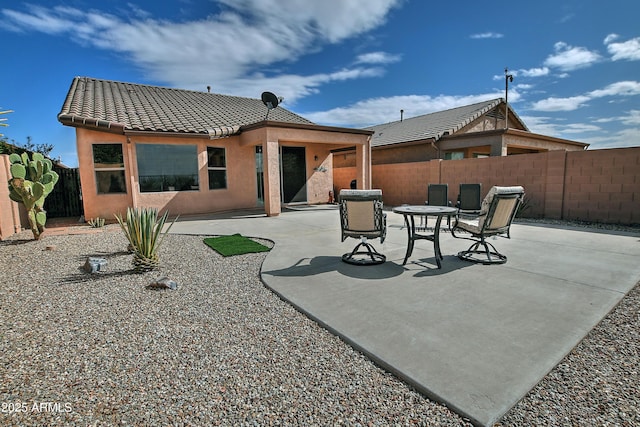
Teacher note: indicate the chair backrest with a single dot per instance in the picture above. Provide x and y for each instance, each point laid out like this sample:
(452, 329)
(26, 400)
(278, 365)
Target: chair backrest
(499, 207)
(470, 197)
(361, 211)
(438, 194)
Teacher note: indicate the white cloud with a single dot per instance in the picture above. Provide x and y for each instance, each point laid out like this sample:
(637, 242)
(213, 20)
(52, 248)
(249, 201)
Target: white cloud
(374, 111)
(540, 124)
(534, 72)
(560, 104)
(558, 127)
(377, 58)
(632, 119)
(566, 18)
(488, 35)
(579, 128)
(333, 20)
(628, 50)
(48, 21)
(531, 72)
(625, 88)
(223, 50)
(569, 58)
(293, 87)
(629, 137)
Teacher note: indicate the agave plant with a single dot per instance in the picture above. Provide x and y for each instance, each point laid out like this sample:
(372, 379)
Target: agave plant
(143, 229)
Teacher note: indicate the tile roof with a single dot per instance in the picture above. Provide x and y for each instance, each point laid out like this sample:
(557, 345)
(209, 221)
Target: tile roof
(119, 107)
(433, 125)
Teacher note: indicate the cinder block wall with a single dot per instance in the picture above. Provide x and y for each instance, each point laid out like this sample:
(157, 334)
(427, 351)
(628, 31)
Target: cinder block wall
(603, 187)
(594, 185)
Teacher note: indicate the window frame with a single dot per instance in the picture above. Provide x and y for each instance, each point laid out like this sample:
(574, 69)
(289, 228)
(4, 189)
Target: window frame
(164, 178)
(121, 168)
(217, 168)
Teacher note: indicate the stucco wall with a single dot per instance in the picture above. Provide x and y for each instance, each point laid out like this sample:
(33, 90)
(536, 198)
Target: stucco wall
(241, 191)
(594, 185)
(10, 216)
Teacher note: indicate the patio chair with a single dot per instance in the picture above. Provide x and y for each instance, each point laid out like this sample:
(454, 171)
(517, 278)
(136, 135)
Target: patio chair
(496, 214)
(437, 195)
(469, 199)
(361, 217)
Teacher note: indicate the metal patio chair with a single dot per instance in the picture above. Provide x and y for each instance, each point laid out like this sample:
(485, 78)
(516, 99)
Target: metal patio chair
(469, 199)
(362, 217)
(496, 214)
(437, 195)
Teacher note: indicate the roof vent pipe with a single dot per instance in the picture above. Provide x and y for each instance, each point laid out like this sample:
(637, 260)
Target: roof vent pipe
(208, 89)
(401, 114)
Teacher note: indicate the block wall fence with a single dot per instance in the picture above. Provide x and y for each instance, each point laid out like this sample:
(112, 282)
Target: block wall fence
(592, 185)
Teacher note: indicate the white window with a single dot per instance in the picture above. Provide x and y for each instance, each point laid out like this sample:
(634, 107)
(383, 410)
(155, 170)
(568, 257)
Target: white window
(217, 167)
(108, 164)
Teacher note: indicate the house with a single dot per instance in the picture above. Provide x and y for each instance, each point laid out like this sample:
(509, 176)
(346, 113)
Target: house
(483, 129)
(198, 152)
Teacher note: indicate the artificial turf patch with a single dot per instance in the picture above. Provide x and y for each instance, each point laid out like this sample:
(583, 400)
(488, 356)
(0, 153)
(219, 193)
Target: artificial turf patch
(235, 244)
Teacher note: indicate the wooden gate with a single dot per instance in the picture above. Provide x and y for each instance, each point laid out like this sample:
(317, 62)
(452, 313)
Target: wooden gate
(66, 198)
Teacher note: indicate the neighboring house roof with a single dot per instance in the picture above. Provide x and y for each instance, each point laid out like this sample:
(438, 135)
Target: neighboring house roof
(435, 125)
(127, 107)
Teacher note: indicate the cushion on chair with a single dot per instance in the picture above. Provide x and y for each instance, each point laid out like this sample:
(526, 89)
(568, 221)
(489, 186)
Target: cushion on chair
(502, 214)
(473, 226)
(365, 194)
(360, 215)
(486, 202)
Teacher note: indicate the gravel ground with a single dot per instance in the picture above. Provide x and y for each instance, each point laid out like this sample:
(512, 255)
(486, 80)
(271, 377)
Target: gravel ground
(102, 349)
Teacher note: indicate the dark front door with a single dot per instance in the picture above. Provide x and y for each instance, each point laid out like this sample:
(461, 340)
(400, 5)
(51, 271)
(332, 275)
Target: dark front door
(294, 175)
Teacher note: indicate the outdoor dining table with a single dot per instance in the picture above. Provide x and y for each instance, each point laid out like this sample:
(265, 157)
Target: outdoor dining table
(409, 211)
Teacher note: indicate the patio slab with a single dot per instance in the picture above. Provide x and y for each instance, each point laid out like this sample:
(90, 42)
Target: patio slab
(474, 337)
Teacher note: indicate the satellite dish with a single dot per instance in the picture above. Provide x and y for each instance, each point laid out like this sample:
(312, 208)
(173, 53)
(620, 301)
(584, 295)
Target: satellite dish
(271, 101)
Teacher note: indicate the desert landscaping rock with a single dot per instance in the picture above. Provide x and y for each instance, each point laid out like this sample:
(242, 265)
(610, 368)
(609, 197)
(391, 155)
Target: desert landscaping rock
(163, 283)
(101, 349)
(95, 265)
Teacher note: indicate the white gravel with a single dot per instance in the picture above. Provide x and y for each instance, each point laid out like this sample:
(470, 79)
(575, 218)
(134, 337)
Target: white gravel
(102, 349)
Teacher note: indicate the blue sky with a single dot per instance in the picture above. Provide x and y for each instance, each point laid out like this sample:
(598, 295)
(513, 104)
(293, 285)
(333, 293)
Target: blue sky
(351, 63)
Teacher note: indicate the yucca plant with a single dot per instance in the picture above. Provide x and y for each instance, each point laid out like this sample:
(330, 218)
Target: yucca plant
(143, 229)
(96, 223)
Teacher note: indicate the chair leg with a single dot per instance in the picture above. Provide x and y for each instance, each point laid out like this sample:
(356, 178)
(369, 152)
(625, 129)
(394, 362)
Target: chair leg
(364, 257)
(487, 255)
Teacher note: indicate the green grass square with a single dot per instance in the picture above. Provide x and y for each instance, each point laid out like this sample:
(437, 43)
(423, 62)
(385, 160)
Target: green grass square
(235, 244)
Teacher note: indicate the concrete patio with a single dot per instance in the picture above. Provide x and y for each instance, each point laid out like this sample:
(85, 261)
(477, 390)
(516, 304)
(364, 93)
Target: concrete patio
(475, 337)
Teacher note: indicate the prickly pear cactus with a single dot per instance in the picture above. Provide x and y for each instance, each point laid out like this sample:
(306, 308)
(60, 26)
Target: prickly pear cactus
(31, 182)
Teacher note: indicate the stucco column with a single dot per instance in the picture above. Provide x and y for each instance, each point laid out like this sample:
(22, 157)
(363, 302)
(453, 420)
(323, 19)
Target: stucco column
(363, 166)
(499, 148)
(271, 168)
(131, 172)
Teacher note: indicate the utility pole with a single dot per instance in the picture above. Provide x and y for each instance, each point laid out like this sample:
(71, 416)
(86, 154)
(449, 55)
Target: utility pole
(507, 78)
